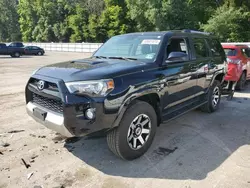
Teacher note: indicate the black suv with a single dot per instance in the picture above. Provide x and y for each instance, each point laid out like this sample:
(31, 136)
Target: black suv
(132, 84)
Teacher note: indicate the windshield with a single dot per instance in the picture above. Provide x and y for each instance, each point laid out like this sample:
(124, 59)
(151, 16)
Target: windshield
(134, 47)
(230, 52)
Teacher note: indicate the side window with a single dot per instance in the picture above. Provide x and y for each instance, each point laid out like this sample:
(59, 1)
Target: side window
(177, 45)
(216, 47)
(246, 52)
(200, 48)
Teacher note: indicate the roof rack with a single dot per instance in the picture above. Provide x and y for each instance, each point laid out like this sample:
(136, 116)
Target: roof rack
(193, 31)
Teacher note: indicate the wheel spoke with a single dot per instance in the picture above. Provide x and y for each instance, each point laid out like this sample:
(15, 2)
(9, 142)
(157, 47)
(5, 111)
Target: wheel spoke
(144, 122)
(145, 131)
(130, 136)
(215, 102)
(134, 143)
(141, 140)
(139, 120)
(216, 96)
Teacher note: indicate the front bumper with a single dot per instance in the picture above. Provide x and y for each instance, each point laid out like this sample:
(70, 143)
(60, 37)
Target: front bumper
(65, 112)
(53, 120)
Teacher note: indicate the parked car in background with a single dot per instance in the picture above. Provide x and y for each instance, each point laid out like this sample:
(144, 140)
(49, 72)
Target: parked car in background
(16, 44)
(238, 58)
(33, 50)
(132, 84)
(12, 51)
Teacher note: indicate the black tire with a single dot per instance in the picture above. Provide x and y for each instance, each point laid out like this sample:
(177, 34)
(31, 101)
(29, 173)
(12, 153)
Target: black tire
(39, 53)
(210, 106)
(118, 138)
(16, 54)
(241, 84)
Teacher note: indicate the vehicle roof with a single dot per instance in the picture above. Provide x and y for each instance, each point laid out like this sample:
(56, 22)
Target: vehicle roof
(234, 46)
(173, 32)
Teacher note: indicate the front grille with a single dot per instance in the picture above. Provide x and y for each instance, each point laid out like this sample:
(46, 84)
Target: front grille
(51, 104)
(48, 85)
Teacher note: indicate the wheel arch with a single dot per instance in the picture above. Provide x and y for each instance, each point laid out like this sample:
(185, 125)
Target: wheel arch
(151, 98)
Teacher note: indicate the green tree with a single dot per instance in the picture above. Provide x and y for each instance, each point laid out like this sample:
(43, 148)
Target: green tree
(9, 26)
(78, 24)
(229, 24)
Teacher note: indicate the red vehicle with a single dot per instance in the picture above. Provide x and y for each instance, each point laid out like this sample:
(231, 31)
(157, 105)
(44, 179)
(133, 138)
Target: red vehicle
(238, 58)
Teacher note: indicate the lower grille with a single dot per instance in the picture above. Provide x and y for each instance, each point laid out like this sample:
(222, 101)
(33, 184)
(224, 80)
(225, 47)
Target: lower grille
(51, 104)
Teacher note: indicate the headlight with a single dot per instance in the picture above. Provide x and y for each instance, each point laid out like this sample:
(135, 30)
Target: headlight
(92, 88)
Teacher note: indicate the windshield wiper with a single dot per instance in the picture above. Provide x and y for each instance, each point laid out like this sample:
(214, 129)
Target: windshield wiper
(123, 58)
(100, 57)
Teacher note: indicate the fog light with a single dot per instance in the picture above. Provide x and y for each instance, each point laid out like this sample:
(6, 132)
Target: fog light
(90, 113)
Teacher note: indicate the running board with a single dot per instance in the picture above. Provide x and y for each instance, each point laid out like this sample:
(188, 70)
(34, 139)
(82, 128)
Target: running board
(179, 111)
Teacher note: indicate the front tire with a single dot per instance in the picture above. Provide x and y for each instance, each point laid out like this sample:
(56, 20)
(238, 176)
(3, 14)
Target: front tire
(39, 53)
(135, 134)
(213, 98)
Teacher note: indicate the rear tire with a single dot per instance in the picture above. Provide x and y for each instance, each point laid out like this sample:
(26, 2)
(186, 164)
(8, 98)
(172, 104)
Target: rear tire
(213, 98)
(242, 82)
(135, 134)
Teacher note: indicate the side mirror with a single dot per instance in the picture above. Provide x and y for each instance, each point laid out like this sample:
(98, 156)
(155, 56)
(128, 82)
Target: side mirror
(177, 56)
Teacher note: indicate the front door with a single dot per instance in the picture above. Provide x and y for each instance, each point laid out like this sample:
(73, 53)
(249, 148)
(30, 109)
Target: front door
(180, 77)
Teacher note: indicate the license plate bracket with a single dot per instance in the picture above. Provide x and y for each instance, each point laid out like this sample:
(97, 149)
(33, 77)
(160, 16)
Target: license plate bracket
(40, 114)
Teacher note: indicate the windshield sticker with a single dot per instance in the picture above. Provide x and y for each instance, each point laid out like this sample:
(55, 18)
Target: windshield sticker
(150, 56)
(150, 41)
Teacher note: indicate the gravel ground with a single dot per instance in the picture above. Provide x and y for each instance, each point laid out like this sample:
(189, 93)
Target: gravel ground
(195, 150)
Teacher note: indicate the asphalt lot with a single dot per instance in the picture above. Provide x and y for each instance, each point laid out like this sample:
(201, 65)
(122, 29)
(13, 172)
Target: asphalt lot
(193, 151)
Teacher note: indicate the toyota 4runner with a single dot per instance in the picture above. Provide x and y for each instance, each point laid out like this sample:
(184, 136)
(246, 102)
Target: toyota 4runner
(130, 85)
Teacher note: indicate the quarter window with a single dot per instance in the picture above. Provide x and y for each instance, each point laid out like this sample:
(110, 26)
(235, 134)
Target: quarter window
(200, 47)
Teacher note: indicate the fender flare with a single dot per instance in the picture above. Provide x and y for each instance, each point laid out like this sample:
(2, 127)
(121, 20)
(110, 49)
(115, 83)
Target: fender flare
(129, 101)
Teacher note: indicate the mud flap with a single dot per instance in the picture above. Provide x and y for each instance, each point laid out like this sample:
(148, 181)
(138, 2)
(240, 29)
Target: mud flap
(228, 88)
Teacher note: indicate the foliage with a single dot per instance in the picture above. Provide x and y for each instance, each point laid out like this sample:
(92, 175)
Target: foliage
(230, 24)
(9, 27)
(98, 20)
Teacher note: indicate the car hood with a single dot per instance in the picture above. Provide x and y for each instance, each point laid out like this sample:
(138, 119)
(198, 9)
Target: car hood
(92, 69)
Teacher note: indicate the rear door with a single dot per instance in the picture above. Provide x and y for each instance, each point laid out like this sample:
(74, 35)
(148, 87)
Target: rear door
(202, 60)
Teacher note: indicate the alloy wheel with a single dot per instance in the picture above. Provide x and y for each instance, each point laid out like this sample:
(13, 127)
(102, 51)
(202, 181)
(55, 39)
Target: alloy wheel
(216, 96)
(139, 131)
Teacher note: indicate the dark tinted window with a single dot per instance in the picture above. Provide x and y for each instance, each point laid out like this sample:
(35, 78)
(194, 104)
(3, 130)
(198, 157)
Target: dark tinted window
(35, 48)
(246, 52)
(230, 51)
(200, 47)
(216, 48)
(177, 45)
(2, 45)
(16, 44)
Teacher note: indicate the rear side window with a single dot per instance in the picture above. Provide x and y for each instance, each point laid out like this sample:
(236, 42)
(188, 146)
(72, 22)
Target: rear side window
(230, 52)
(200, 47)
(216, 48)
(246, 52)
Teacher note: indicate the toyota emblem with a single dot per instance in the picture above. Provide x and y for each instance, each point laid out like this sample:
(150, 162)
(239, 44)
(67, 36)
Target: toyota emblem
(40, 84)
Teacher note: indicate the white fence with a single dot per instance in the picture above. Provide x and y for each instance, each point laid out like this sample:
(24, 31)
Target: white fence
(80, 47)
(238, 43)
(67, 47)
